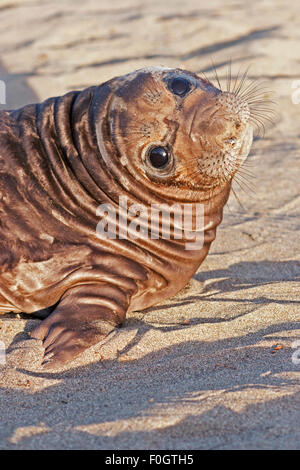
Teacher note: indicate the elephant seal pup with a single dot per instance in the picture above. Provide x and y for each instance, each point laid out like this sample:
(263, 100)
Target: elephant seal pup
(155, 136)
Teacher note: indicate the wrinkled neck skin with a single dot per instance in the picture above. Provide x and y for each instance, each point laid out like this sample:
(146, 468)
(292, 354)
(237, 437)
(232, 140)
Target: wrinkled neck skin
(169, 257)
(74, 165)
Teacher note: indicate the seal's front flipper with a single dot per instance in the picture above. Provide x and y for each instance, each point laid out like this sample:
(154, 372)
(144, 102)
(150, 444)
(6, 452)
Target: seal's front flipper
(85, 315)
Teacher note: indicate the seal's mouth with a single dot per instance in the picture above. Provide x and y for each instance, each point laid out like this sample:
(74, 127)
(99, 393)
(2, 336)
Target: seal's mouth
(228, 140)
(220, 166)
(214, 140)
(243, 110)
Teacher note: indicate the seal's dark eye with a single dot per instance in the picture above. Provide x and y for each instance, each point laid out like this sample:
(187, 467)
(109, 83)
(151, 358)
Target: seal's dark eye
(180, 86)
(158, 157)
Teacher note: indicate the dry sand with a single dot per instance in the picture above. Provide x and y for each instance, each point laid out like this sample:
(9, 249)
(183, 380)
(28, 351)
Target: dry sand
(211, 368)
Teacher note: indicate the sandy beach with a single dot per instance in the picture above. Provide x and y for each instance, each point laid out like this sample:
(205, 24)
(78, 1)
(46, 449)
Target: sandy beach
(216, 366)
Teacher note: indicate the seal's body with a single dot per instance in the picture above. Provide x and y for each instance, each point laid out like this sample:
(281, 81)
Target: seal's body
(156, 136)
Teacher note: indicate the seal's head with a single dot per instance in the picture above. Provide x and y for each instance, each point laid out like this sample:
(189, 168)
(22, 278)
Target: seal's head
(173, 128)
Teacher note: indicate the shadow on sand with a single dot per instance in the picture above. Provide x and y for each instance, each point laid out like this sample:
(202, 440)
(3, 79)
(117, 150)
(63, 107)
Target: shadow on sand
(112, 392)
(195, 375)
